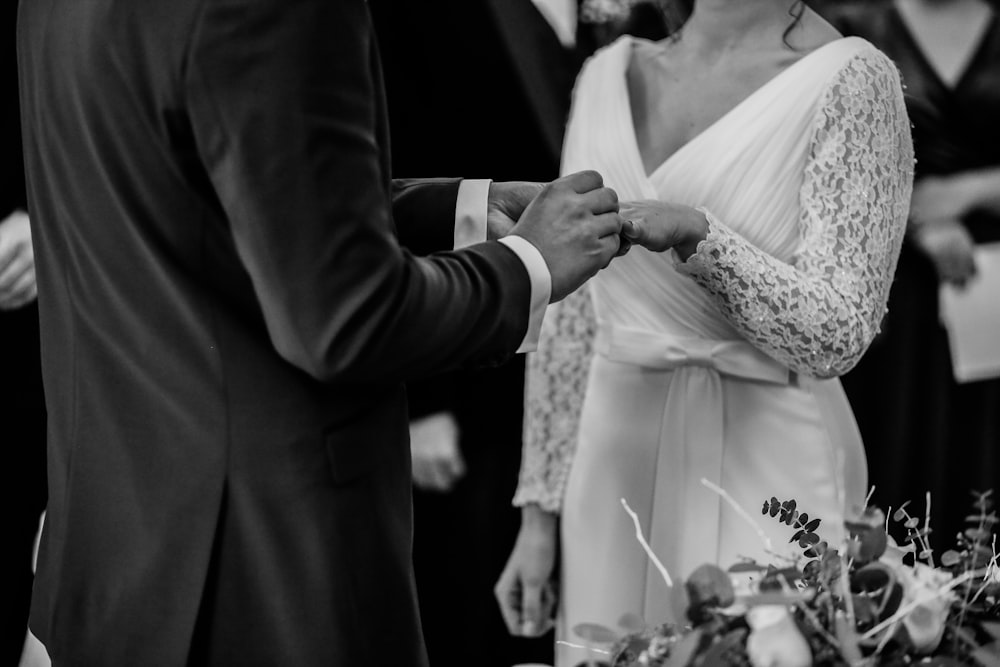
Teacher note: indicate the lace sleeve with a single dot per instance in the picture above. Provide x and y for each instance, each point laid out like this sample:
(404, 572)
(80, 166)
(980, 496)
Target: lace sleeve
(818, 314)
(555, 381)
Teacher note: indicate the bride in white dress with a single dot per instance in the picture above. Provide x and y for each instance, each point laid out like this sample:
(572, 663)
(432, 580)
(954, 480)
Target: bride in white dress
(777, 163)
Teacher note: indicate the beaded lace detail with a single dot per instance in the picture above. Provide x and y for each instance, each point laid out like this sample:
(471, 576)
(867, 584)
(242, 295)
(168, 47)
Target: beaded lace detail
(817, 314)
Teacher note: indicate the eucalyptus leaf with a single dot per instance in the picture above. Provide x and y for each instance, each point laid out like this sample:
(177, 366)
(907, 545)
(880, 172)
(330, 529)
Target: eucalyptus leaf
(950, 558)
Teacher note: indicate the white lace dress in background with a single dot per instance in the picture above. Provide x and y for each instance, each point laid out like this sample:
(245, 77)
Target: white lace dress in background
(660, 373)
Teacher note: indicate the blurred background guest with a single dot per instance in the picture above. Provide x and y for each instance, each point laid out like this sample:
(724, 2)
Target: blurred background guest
(22, 406)
(514, 63)
(923, 431)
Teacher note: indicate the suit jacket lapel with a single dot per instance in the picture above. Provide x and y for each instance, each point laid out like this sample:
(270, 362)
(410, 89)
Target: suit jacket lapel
(546, 69)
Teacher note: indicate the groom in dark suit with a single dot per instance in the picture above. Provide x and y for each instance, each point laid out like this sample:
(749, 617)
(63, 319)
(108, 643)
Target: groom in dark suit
(227, 319)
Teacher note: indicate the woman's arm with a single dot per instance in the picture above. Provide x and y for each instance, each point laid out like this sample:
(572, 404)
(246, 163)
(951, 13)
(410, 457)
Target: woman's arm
(818, 314)
(555, 381)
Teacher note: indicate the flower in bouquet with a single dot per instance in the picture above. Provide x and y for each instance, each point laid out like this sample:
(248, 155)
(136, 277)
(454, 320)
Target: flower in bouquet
(775, 640)
(866, 602)
(923, 586)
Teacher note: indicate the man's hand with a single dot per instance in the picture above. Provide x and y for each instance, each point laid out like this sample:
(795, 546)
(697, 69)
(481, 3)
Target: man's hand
(17, 262)
(660, 226)
(507, 202)
(526, 590)
(574, 223)
(437, 459)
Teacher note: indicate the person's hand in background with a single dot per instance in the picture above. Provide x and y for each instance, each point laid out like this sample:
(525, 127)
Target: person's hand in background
(950, 247)
(437, 460)
(17, 262)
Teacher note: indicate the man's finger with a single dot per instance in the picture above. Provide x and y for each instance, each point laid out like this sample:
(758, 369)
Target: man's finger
(610, 246)
(607, 224)
(602, 200)
(624, 245)
(583, 181)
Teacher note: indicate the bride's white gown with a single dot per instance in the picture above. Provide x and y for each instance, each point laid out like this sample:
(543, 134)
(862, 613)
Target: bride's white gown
(723, 367)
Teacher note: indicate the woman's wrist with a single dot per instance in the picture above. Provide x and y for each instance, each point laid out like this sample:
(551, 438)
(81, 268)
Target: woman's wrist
(695, 230)
(533, 516)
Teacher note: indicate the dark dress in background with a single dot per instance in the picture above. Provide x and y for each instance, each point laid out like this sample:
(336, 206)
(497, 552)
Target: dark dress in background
(22, 404)
(476, 88)
(923, 431)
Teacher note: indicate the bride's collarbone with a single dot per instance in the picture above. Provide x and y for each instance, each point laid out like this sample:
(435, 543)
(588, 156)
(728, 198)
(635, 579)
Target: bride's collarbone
(674, 103)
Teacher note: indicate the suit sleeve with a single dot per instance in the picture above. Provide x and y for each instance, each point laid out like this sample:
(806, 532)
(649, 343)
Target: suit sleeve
(283, 100)
(424, 213)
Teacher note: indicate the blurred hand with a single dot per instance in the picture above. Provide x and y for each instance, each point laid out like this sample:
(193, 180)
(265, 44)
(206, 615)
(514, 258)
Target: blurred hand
(526, 590)
(951, 248)
(660, 226)
(941, 198)
(17, 262)
(507, 201)
(437, 459)
(574, 223)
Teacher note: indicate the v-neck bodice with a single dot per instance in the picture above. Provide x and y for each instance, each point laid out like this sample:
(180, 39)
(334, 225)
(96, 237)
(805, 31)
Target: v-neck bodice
(761, 90)
(747, 168)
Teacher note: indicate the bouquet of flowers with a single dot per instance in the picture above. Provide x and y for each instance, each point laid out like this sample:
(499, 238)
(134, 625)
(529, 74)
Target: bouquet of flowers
(869, 602)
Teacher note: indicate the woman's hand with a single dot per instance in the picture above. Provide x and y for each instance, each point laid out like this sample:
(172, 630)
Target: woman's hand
(526, 591)
(951, 248)
(660, 226)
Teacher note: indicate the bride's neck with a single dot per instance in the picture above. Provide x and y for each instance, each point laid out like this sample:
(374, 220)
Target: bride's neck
(720, 25)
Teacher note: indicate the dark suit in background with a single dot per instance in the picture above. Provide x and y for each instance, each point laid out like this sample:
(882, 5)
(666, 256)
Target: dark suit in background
(227, 320)
(22, 404)
(475, 87)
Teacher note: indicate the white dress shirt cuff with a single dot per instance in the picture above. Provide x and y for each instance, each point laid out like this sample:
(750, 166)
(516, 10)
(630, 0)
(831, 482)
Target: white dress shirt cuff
(470, 212)
(541, 287)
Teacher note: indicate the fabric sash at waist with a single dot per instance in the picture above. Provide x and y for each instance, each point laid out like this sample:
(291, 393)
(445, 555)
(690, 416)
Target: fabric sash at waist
(693, 425)
(648, 349)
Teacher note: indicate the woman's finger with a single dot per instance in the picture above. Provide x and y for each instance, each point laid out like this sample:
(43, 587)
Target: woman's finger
(507, 593)
(531, 611)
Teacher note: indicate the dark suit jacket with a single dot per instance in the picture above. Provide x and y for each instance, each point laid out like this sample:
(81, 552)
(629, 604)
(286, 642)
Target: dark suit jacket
(227, 318)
